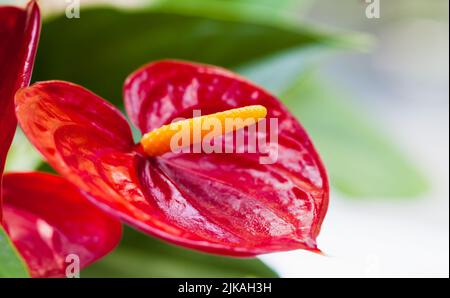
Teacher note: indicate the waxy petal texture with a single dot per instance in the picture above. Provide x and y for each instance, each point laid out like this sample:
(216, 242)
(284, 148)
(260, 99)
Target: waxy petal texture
(50, 223)
(220, 203)
(19, 34)
(266, 206)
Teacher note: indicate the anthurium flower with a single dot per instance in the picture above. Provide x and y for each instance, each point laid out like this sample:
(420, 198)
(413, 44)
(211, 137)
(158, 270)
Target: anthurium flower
(46, 217)
(220, 203)
(54, 227)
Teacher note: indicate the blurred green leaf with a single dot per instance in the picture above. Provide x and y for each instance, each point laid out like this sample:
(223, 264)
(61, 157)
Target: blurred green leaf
(274, 4)
(362, 162)
(141, 256)
(287, 65)
(265, 11)
(11, 263)
(104, 46)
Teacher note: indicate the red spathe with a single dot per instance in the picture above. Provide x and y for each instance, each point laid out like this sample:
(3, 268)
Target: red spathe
(19, 34)
(48, 220)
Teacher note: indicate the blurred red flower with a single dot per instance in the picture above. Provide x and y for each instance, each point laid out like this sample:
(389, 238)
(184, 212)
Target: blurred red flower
(46, 217)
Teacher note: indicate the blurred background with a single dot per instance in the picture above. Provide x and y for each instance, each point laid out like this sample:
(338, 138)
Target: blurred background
(372, 92)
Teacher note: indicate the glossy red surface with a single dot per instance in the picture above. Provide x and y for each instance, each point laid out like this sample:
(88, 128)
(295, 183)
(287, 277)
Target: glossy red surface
(221, 203)
(19, 34)
(48, 219)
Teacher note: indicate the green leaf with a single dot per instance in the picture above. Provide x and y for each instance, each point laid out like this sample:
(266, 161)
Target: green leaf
(273, 4)
(265, 11)
(287, 65)
(362, 161)
(141, 256)
(105, 45)
(11, 263)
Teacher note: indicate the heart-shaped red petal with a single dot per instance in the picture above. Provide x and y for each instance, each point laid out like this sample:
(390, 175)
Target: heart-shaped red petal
(53, 225)
(280, 203)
